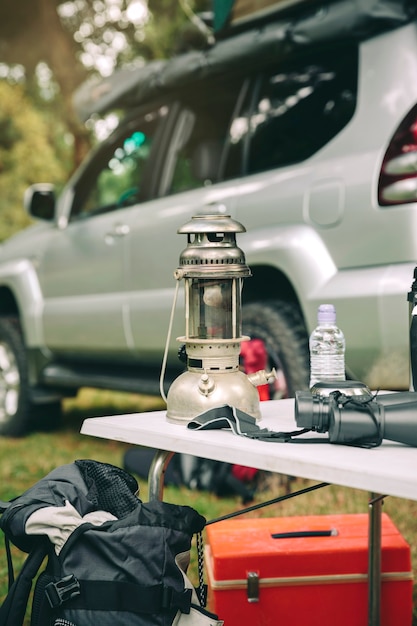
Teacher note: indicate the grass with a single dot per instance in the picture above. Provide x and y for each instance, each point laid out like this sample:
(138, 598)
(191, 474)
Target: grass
(25, 461)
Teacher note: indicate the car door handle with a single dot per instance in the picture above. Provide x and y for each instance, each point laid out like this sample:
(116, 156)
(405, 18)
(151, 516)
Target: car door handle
(119, 230)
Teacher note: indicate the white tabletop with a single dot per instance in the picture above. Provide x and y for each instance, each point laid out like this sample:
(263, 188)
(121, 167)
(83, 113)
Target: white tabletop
(390, 469)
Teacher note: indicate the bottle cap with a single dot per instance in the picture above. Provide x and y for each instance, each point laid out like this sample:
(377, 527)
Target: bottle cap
(326, 313)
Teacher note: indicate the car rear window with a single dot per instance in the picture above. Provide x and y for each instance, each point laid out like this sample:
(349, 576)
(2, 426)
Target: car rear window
(294, 109)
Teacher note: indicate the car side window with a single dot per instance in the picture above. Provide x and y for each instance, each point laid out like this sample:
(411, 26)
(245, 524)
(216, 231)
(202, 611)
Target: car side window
(299, 108)
(200, 134)
(117, 176)
(236, 148)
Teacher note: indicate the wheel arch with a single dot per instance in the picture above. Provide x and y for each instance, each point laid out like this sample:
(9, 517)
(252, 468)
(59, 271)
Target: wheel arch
(8, 302)
(269, 283)
(21, 297)
(290, 263)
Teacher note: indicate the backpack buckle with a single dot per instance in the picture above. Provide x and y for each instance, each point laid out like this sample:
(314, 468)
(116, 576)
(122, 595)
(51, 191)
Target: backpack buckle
(63, 590)
(172, 599)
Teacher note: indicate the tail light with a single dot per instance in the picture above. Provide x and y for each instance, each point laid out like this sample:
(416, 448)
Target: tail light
(398, 177)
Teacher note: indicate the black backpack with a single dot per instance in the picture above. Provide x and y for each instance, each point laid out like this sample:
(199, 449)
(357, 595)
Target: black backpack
(111, 559)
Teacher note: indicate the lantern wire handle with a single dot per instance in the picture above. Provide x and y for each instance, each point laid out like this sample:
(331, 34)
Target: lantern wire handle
(164, 360)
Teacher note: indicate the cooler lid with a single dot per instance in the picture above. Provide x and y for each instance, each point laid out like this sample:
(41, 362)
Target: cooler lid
(318, 545)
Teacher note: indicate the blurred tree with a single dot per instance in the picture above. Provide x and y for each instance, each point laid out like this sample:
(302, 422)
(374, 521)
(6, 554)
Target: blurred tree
(47, 49)
(31, 32)
(170, 29)
(26, 156)
(77, 37)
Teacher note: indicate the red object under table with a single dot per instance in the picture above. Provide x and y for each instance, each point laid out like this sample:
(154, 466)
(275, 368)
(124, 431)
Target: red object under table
(316, 579)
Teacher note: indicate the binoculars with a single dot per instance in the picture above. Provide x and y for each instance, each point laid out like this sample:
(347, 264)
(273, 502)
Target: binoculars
(351, 414)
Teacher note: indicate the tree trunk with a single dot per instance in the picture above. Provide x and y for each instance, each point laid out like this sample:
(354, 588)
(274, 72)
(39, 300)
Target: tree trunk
(30, 32)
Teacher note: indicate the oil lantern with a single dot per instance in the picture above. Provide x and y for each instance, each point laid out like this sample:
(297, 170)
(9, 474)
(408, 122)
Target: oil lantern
(213, 269)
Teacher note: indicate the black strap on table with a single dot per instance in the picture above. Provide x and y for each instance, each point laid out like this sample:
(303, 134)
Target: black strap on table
(240, 423)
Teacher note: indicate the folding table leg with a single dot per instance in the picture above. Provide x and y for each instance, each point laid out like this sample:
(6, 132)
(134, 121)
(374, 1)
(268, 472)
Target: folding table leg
(156, 474)
(374, 560)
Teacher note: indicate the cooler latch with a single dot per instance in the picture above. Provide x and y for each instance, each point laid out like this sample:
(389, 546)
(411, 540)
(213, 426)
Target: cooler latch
(252, 589)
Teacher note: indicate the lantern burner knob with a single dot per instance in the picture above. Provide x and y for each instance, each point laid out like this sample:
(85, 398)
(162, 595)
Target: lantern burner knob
(206, 384)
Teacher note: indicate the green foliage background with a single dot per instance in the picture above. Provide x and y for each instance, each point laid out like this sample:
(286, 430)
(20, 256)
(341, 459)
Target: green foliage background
(31, 150)
(40, 138)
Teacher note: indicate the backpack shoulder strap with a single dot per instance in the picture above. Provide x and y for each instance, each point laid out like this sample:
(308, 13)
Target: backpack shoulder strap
(3, 507)
(12, 611)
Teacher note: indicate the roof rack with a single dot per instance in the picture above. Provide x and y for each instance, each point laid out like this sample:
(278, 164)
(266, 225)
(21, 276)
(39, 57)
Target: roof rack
(278, 37)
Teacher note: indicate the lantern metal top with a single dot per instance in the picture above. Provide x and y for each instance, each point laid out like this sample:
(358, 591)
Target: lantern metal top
(211, 224)
(213, 249)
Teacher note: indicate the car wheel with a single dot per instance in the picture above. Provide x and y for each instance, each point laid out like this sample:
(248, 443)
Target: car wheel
(279, 328)
(14, 392)
(17, 413)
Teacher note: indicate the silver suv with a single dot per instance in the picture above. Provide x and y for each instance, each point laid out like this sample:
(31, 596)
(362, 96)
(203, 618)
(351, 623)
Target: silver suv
(304, 129)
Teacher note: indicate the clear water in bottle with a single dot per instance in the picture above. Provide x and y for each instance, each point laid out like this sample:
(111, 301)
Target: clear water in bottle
(327, 348)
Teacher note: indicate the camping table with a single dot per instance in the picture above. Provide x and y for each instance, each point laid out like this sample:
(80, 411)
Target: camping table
(389, 469)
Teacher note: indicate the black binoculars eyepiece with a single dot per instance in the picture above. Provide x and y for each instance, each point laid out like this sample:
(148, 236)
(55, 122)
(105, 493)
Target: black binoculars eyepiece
(351, 414)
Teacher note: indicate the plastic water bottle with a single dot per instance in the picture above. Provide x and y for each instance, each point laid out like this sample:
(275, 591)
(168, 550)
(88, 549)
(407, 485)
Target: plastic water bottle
(327, 348)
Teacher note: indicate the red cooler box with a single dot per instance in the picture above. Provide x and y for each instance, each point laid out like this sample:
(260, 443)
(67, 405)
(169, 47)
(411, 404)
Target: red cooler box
(260, 573)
